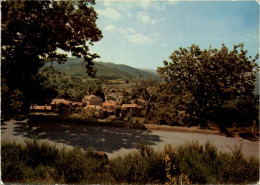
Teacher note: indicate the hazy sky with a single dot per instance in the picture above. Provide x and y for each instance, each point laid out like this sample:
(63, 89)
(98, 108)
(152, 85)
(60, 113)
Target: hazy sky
(143, 34)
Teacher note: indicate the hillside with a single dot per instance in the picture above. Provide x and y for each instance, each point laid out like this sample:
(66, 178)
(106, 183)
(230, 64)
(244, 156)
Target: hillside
(108, 71)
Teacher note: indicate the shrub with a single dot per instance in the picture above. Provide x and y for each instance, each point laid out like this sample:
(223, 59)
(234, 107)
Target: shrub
(237, 169)
(13, 161)
(203, 164)
(41, 162)
(189, 163)
(82, 116)
(40, 153)
(144, 166)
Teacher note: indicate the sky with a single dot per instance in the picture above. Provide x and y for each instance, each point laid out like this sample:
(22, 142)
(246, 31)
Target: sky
(143, 34)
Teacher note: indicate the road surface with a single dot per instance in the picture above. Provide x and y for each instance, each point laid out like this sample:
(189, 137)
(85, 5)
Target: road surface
(116, 141)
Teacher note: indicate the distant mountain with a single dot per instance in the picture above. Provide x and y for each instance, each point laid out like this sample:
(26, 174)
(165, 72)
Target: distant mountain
(105, 70)
(152, 71)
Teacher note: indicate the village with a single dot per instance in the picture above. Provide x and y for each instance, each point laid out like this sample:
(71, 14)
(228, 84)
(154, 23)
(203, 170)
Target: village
(112, 107)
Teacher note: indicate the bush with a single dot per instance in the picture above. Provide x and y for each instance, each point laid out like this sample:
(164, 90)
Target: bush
(81, 116)
(203, 164)
(41, 162)
(189, 163)
(236, 169)
(13, 161)
(197, 162)
(40, 153)
(144, 166)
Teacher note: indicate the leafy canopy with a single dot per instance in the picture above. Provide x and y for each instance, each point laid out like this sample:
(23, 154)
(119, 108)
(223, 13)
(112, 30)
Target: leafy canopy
(200, 83)
(32, 31)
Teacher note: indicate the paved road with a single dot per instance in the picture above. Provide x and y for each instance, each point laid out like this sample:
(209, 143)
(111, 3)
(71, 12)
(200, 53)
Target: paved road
(115, 141)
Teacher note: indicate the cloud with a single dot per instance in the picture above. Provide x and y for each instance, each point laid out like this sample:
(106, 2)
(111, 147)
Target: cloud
(140, 39)
(129, 15)
(109, 13)
(158, 6)
(144, 4)
(131, 35)
(123, 5)
(172, 2)
(144, 17)
(110, 28)
(164, 45)
(152, 5)
(127, 31)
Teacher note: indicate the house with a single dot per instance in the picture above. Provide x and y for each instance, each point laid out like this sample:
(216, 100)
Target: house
(60, 105)
(78, 104)
(112, 102)
(136, 109)
(108, 105)
(40, 108)
(92, 100)
(108, 109)
(58, 101)
(128, 106)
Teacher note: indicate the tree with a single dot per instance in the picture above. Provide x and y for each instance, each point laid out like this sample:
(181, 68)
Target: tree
(201, 83)
(147, 89)
(32, 31)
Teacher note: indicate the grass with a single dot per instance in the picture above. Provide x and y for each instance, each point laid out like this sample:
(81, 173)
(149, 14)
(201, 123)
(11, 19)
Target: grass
(40, 162)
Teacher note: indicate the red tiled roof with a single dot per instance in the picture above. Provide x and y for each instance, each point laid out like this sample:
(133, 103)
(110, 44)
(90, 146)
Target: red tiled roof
(90, 106)
(78, 103)
(59, 101)
(94, 106)
(129, 105)
(107, 104)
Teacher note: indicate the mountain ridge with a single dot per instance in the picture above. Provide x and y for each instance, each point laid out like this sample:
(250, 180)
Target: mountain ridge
(105, 70)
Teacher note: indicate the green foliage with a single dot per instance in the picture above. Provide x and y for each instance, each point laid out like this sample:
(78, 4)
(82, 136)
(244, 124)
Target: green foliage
(203, 164)
(197, 162)
(81, 116)
(42, 162)
(31, 34)
(12, 157)
(11, 104)
(188, 163)
(69, 87)
(80, 166)
(200, 83)
(146, 166)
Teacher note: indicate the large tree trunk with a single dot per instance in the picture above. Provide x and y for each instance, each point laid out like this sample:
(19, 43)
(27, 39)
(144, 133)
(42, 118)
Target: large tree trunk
(25, 109)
